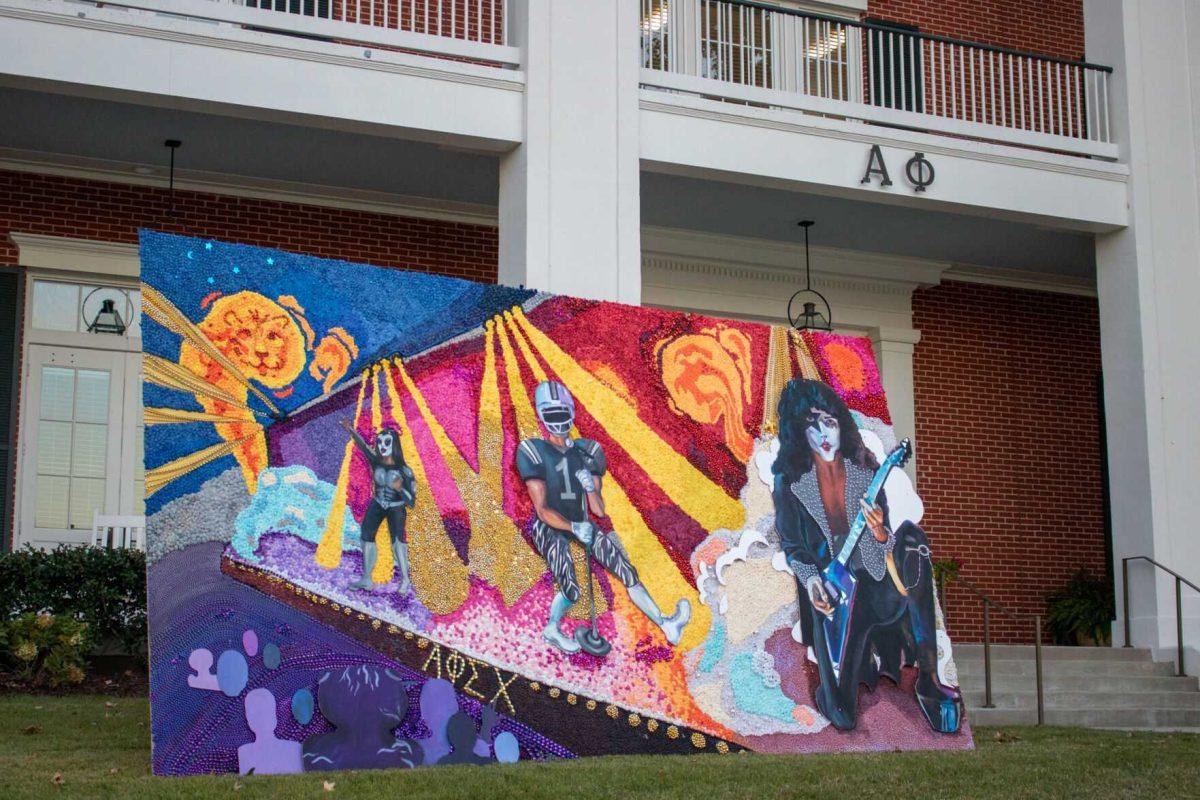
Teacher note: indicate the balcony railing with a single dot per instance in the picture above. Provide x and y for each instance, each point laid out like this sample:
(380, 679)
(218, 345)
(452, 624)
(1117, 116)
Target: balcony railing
(464, 30)
(776, 57)
(470, 20)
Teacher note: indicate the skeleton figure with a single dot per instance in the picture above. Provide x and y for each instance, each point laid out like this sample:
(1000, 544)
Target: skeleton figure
(564, 478)
(394, 491)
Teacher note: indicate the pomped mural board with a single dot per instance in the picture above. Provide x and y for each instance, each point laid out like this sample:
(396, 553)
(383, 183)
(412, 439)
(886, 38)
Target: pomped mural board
(400, 520)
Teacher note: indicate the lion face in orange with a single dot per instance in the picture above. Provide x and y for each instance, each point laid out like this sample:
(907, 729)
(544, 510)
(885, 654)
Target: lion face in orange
(258, 336)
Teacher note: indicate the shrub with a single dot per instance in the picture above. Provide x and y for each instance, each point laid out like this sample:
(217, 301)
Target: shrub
(106, 589)
(45, 648)
(1082, 611)
(945, 571)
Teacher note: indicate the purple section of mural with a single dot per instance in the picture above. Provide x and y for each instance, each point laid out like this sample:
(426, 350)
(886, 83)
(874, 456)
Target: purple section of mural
(303, 439)
(266, 755)
(196, 609)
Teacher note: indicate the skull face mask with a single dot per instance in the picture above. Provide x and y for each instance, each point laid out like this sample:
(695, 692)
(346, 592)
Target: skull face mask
(385, 444)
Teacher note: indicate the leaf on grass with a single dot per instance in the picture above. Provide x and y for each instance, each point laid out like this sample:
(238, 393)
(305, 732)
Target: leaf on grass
(113, 771)
(109, 704)
(57, 780)
(237, 786)
(1003, 737)
(29, 730)
(328, 786)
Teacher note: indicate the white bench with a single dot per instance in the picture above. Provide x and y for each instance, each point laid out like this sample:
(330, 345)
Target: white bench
(113, 531)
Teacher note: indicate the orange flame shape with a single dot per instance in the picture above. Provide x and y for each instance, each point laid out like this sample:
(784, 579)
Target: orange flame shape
(707, 376)
(333, 356)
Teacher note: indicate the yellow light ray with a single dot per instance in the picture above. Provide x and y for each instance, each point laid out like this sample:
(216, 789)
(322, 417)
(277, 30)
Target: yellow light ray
(489, 440)
(498, 552)
(645, 551)
(170, 375)
(170, 416)
(685, 485)
(528, 426)
(329, 551)
(385, 564)
(808, 367)
(156, 306)
(160, 476)
(439, 576)
(778, 372)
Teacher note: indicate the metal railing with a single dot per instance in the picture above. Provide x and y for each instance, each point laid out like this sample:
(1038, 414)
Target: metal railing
(469, 20)
(1179, 582)
(471, 31)
(891, 76)
(988, 604)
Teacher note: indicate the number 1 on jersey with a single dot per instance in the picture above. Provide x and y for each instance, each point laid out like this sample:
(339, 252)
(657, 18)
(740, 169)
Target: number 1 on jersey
(568, 494)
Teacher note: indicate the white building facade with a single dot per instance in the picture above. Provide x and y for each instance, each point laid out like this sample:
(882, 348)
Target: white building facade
(644, 151)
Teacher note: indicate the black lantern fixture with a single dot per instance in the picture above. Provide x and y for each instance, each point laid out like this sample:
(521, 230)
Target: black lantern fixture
(108, 319)
(806, 300)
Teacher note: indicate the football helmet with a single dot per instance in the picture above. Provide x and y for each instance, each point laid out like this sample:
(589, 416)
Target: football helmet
(555, 407)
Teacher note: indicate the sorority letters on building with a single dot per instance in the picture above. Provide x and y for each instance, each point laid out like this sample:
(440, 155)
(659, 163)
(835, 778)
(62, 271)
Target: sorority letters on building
(399, 520)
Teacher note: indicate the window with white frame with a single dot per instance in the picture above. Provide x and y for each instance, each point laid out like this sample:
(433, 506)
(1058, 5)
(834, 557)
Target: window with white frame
(75, 307)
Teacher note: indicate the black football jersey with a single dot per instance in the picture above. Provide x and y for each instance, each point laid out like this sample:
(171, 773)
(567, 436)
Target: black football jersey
(541, 460)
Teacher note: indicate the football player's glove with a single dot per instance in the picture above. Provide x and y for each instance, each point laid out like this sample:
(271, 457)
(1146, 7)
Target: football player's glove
(583, 531)
(585, 480)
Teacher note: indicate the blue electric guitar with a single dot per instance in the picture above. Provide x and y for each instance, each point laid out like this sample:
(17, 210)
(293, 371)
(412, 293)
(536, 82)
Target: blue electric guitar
(840, 584)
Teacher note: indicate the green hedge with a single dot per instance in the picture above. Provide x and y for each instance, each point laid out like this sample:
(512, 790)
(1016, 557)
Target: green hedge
(104, 588)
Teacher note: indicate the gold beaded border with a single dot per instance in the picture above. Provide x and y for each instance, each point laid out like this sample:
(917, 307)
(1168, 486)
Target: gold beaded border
(700, 740)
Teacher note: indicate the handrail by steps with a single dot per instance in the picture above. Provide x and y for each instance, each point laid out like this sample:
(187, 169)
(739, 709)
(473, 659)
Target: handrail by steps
(987, 646)
(1179, 581)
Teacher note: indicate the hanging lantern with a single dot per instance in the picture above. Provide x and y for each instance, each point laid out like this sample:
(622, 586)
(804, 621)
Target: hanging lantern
(108, 319)
(808, 310)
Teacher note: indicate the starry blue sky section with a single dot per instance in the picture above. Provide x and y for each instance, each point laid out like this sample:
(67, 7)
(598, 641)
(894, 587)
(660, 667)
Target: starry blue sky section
(386, 310)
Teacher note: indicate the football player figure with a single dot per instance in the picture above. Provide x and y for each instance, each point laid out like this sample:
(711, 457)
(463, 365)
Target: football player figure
(564, 477)
(393, 492)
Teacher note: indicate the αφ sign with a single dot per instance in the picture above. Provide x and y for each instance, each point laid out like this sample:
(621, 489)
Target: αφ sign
(918, 169)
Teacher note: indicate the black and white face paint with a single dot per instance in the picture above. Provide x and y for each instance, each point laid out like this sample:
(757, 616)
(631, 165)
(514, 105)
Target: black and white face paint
(824, 434)
(385, 444)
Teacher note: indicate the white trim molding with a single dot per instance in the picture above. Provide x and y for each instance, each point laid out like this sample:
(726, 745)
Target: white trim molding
(1021, 279)
(751, 278)
(61, 253)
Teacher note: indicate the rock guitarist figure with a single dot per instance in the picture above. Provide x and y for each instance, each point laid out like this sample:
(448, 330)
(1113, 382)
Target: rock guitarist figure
(821, 476)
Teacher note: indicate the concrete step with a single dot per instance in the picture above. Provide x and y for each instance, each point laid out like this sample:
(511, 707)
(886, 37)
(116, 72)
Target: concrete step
(969, 667)
(1118, 684)
(1068, 701)
(1128, 717)
(1096, 687)
(1052, 653)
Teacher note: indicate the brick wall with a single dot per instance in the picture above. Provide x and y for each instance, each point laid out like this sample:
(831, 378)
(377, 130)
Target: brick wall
(113, 212)
(1008, 443)
(1045, 27)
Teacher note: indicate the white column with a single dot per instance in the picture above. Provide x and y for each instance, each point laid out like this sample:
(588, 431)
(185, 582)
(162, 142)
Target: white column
(569, 194)
(894, 354)
(1148, 280)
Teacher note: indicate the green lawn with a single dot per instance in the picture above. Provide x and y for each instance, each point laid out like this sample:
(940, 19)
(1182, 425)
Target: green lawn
(100, 748)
